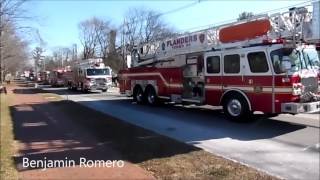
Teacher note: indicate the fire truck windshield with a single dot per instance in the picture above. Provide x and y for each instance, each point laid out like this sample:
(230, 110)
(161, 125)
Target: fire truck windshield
(300, 59)
(312, 57)
(97, 72)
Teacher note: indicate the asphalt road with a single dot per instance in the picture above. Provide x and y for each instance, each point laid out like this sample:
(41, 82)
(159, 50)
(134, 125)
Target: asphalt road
(286, 146)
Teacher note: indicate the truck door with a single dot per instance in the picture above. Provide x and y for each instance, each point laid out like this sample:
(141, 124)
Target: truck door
(258, 79)
(193, 79)
(213, 77)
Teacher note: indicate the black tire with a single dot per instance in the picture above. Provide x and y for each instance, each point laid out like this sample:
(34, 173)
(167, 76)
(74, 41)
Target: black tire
(271, 115)
(104, 90)
(83, 89)
(237, 109)
(69, 86)
(151, 96)
(138, 95)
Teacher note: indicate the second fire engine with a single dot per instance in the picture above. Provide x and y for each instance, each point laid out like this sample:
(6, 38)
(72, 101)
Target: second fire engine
(91, 74)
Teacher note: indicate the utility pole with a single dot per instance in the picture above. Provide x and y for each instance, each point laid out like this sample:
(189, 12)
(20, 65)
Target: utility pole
(122, 37)
(43, 60)
(36, 60)
(37, 57)
(74, 52)
(61, 57)
(1, 29)
(123, 46)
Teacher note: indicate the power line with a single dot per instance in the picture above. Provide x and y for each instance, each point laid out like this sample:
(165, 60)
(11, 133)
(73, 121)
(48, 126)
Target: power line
(208, 26)
(164, 13)
(179, 8)
(232, 20)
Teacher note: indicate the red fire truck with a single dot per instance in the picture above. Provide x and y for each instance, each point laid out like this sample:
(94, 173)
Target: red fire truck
(268, 63)
(90, 74)
(43, 77)
(59, 77)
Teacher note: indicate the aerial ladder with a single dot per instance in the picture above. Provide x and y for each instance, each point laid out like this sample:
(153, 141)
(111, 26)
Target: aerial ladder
(297, 25)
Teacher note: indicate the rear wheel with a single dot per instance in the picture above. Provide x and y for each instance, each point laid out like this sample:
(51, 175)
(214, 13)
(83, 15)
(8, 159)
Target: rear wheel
(104, 90)
(151, 96)
(138, 95)
(236, 108)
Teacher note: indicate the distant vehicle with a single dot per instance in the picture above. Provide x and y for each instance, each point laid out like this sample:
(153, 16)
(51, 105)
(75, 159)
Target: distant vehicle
(22, 77)
(17, 76)
(56, 77)
(90, 74)
(43, 77)
(31, 76)
(26, 75)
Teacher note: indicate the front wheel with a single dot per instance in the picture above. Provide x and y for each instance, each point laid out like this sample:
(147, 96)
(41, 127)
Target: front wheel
(69, 85)
(237, 109)
(84, 89)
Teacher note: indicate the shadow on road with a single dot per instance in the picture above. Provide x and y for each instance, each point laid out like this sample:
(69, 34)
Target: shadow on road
(192, 123)
(41, 89)
(65, 91)
(64, 129)
(40, 138)
(27, 91)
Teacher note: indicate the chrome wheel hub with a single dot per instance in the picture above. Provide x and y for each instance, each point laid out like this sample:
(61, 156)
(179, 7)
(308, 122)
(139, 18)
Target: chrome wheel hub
(139, 96)
(151, 98)
(234, 107)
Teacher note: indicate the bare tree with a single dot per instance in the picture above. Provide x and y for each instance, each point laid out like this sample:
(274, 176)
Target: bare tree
(103, 37)
(13, 51)
(10, 13)
(95, 37)
(88, 37)
(62, 55)
(245, 15)
(144, 26)
(51, 64)
(66, 54)
(98, 40)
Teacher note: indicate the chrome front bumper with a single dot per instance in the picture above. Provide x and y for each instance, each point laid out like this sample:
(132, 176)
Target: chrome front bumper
(296, 108)
(99, 86)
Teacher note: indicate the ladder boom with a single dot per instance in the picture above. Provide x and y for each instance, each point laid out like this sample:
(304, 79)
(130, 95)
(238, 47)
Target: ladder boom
(296, 25)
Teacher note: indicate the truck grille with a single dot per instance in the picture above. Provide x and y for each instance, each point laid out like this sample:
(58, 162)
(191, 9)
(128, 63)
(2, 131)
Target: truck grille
(100, 80)
(310, 84)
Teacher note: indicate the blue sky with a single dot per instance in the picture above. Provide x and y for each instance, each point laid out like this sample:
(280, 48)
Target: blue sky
(57, 20)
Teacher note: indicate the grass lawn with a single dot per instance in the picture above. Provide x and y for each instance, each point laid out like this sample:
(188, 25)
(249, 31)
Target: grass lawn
(7, 167)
